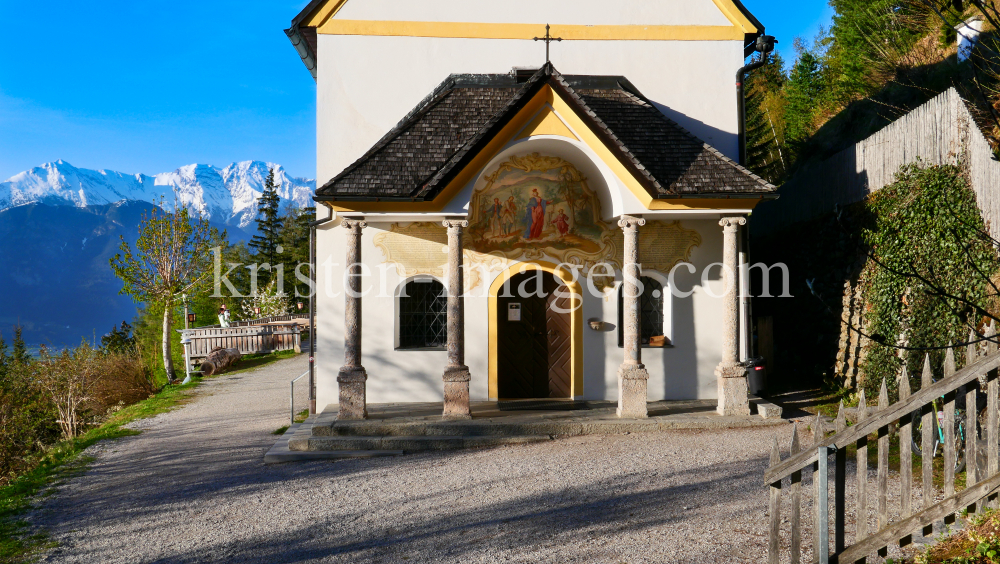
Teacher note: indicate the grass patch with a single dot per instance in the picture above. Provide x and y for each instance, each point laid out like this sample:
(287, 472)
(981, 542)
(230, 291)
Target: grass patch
(63, 460)
(299, 418)
(255, 361)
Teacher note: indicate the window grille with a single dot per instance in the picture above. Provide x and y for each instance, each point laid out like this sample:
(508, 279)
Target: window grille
(423, 317)
(650, 311)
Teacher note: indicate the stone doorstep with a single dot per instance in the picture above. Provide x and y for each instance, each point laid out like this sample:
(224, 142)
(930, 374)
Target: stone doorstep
(766, 409)
(281, 453)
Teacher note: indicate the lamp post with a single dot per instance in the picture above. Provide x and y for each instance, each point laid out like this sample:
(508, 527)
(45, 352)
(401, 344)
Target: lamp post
(187, 316)
(300, 305)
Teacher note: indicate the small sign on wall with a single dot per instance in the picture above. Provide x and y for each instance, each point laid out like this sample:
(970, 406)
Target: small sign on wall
(514, 312)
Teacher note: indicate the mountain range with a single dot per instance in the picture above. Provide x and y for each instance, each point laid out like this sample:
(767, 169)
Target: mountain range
(226, 196)
(60, 225)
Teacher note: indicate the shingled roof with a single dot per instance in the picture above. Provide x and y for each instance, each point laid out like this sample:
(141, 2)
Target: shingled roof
(420, 156)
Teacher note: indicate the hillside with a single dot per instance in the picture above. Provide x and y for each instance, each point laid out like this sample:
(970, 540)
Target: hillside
(56, 281)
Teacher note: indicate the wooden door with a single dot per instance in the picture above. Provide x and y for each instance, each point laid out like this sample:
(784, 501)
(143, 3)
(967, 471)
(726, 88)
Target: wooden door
(533, 340)
(560, 340)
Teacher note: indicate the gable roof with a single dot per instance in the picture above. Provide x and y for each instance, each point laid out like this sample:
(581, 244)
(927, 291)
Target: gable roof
(304, 27)
(417, 159)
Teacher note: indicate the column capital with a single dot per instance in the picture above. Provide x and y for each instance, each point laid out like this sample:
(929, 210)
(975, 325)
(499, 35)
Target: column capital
(455, 223)
(732, 221)
(630, 222)
(358, 224)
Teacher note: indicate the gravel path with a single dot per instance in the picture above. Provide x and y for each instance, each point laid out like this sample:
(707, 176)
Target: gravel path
(193, 488)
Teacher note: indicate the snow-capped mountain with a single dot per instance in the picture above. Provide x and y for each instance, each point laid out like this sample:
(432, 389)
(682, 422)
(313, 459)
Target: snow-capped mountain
(225, 195)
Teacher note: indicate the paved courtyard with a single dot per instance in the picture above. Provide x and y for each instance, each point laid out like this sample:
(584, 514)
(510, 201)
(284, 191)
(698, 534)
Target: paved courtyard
(193, 488)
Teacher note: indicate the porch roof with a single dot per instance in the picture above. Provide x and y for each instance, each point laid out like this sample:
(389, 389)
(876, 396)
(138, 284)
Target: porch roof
(417, 159)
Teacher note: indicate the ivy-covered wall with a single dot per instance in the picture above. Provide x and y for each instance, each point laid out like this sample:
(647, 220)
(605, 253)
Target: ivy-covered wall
(908, 267)
(927, 281)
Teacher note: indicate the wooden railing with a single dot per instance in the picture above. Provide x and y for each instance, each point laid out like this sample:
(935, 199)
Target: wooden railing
(303, 317)
(980, 484)
(249, 340)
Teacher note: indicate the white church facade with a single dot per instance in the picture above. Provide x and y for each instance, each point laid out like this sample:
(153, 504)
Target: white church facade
(523, 229)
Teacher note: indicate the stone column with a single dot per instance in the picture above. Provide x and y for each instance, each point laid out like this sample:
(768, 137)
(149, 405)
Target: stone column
(456, 374)
(731, 375)
(352, 378)
(632, 375)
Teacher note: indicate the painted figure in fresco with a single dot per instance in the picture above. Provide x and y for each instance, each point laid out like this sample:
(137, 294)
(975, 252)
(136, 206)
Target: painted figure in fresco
(495, 212)
(561, 222)
(534, 217)
(507, 220)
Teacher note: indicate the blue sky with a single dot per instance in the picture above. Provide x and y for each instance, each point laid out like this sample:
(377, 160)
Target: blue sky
(150, 86)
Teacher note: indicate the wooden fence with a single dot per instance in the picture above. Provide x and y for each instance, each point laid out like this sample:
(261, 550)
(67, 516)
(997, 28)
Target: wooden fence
(940, 131)
(249, 340)
(982, 480)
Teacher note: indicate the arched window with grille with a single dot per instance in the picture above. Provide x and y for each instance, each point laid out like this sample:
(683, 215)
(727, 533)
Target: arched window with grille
(423, 317)
(651, 313)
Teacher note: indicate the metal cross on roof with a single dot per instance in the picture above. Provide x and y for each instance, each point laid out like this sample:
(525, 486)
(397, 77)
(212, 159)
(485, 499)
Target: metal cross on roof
(548, 39)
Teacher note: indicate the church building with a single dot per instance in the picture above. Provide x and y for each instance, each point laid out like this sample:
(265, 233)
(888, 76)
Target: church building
(529, 199)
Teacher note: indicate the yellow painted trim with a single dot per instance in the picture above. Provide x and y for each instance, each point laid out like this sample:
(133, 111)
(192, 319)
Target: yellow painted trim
(546, 122)
(705, 204)
(575, 320)
(734, 15)
(326, 11)
(471, 30)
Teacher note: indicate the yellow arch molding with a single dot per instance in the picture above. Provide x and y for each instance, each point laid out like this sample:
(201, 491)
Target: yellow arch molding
(575, 317)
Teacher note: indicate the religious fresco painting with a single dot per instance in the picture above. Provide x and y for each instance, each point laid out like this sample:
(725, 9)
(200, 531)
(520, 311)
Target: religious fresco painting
(535, 203)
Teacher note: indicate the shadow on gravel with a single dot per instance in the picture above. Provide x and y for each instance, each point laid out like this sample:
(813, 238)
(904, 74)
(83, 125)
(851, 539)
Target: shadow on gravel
(619, 504)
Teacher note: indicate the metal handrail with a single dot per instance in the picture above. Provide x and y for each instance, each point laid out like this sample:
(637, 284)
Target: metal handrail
(291, 398)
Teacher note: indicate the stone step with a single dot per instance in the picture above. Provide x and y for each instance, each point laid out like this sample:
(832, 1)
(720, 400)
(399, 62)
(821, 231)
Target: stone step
(406, 443)
(484, 428)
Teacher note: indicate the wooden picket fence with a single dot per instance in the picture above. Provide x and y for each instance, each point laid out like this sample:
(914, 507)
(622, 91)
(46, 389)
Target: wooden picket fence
(981, 483)
(249, 340)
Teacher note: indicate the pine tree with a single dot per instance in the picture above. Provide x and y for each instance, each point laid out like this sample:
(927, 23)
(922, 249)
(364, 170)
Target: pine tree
(269, 222)
(805, 85)
(20, 354)
(5, 360)
(295, 244)
(766, 155)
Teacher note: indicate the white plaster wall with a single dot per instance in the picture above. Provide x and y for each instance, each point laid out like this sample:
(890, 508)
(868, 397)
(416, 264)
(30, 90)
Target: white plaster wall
(682, 372)
(567, 12)
(366, 85)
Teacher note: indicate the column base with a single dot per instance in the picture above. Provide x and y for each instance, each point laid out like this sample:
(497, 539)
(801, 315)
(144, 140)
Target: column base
(632, 381)
(733, 399)
(353, 393)
(456, 393)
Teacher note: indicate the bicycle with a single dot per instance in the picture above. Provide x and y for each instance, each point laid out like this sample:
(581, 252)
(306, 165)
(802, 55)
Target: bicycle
(937, 423)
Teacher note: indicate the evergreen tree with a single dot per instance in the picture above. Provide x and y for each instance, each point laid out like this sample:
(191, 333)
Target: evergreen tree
(20, 355)
(804, 87)
(295, 243)
(269, 223)
(861, 29)
(766, 155)
(5, 360)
